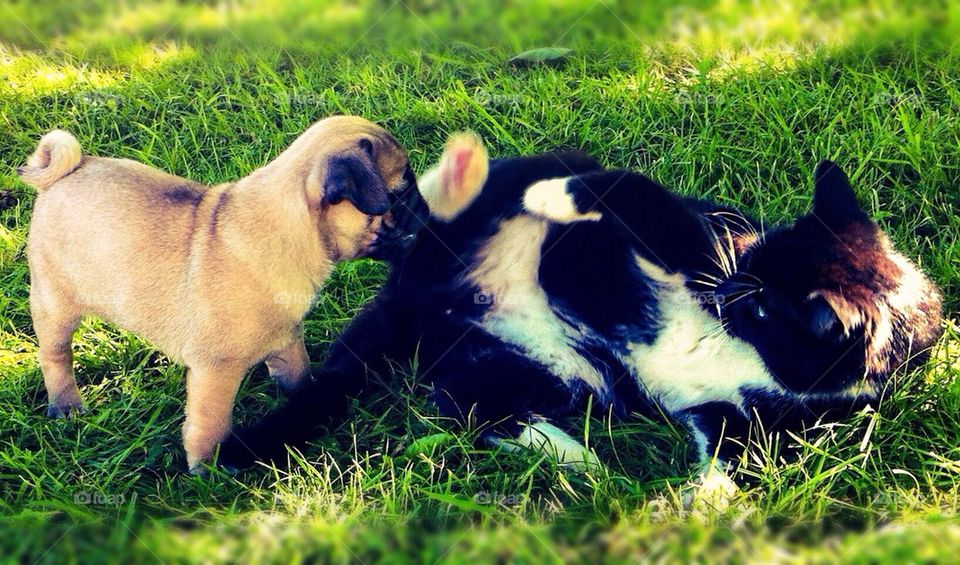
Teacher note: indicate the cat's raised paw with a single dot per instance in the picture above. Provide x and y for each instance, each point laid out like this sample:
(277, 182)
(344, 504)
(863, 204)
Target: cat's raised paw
(452, 185)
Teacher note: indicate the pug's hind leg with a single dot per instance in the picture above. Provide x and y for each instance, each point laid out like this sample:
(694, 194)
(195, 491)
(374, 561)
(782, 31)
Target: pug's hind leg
(54, 325)
(291, 364)
(211, 391)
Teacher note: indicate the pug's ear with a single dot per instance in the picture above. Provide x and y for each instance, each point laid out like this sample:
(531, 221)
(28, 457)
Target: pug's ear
(351, 179)
(452, 185)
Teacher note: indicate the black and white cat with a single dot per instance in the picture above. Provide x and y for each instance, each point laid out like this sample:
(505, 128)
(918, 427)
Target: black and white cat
(542, 281)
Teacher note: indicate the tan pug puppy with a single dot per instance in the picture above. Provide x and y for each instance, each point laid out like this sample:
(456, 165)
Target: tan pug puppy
(219, 277)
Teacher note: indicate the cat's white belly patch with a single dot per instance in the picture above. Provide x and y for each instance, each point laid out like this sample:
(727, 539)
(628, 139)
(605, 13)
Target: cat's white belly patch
(519, 313)
(693, 360)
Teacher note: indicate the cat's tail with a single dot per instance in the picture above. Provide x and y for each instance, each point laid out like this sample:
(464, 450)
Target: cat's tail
(321, 402)
(57, 155)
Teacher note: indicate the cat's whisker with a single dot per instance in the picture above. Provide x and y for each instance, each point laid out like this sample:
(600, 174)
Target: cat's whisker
(706, 283)
(737, 217)
(733, 299)
(733, 224)
(721, 266)
(757, 279)
(743, 285)
(722, 259)
(719, 330)
(709, 276)
(731, 249)
(749, 285)
(737, 285)
(706, 279)
(740, 297)
(741, 220)
(726, 250)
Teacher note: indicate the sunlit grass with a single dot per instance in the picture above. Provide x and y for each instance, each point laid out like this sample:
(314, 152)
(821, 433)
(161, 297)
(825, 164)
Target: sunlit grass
(731, 100)
(32, 74)
(721, 38)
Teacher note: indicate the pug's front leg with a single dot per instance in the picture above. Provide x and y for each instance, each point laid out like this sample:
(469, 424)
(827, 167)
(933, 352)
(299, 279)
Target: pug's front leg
(291, 364)
(211, 391)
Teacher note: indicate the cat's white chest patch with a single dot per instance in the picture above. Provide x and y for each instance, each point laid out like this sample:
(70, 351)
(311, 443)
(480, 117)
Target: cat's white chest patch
(507, 273)
(692, 360)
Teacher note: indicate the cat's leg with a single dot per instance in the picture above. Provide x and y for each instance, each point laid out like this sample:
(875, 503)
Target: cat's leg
(488, 386)
(712, 491)
(656, 222)
(550, 199)
(450, 186)
(720, 432)
(361, 353)
(545, 437)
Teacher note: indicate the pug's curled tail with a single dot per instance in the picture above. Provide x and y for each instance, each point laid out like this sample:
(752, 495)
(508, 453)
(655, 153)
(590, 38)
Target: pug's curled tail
(56, 157)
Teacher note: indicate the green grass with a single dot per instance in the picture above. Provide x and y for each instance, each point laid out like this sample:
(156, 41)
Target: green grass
(731, 100)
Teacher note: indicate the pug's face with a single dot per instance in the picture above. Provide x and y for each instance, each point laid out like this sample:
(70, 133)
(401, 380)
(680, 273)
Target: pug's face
(369, 202)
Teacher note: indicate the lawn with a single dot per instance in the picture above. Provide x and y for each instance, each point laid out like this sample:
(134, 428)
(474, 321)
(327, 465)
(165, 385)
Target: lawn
(728, 99)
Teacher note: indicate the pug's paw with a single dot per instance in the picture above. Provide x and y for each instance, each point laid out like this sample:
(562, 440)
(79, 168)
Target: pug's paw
(65, 405)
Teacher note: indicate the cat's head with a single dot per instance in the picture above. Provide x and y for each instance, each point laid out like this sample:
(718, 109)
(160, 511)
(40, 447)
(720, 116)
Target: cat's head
(828, 302)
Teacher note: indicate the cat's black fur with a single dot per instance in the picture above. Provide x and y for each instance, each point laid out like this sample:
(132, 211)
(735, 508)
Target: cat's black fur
(816, 314)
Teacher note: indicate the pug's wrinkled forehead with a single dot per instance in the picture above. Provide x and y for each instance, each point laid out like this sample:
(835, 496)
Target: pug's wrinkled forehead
(345, 159)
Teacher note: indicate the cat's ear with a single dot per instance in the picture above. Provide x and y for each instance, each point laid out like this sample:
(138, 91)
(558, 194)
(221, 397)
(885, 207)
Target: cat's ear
(452, 185)
(834, 201)
(830, 320)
